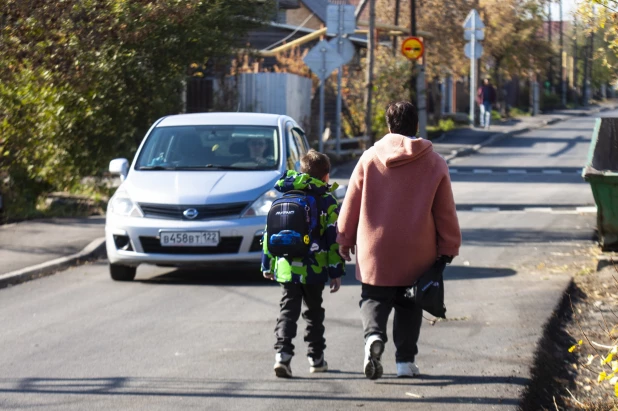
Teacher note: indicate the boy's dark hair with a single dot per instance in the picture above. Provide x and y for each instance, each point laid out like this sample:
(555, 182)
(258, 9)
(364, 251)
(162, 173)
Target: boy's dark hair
(402, 118)
(316, 164)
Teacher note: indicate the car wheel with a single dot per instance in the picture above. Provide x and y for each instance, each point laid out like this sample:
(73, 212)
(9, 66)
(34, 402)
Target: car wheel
(122, 272)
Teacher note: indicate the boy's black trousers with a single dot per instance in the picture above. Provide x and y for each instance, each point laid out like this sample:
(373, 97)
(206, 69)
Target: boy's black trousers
(376, 305)
(292, 299)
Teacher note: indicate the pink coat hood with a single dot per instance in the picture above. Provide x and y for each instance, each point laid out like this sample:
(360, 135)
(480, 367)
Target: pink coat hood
(394, 150)
(399, 211)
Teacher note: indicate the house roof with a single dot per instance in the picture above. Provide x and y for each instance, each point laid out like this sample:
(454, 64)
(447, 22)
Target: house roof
(317, 7)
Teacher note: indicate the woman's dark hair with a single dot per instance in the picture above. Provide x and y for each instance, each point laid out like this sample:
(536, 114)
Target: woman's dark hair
(402, 118)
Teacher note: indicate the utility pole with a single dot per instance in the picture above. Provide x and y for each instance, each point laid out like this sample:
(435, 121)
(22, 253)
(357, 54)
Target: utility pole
(371, 44)
(585, 80)
(590, 74)
(397, 9)
(551, 55)
(563, 62)
(413, 34)
(575, 58)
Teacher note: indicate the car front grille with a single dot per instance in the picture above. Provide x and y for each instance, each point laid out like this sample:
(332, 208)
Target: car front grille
(175, 212)
(256, 245)
(227, 245)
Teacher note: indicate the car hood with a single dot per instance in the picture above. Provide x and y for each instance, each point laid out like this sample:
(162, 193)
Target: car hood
(198, 187)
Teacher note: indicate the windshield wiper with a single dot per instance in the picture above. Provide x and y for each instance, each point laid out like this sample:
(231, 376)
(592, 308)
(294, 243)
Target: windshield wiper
(157, 168)
(252, 168)
(205, 167)
(213, 166)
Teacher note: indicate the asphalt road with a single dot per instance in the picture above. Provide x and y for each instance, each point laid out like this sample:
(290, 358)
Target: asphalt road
(203, 340)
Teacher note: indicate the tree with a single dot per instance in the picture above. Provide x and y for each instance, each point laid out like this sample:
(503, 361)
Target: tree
(443, 19)
(599, 18)
(82, 80)
(514, 44)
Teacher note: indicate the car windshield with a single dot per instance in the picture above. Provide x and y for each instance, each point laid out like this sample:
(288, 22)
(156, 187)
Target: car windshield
(211, 147)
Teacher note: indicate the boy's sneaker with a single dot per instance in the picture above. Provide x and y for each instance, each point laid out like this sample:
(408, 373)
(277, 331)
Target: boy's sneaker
(317, 364)
(282, 365)
(407, 370)
(374, 347)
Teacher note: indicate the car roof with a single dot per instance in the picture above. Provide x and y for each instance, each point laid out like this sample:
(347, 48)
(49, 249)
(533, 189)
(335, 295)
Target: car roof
(198, 119)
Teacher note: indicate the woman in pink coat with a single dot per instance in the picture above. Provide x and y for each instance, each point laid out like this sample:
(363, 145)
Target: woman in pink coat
(399, 215)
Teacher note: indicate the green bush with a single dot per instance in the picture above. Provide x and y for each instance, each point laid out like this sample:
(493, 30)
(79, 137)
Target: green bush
(517, 112)
(87, 87)
(550, 101)
(447, 125)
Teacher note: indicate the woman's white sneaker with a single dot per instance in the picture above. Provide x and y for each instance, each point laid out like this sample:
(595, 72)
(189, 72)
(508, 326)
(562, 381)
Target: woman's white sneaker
(407, 370)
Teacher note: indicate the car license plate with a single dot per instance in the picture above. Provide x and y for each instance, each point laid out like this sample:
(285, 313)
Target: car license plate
(189, 238)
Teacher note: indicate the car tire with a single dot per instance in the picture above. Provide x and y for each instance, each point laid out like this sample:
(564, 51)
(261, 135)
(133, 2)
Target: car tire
(122, 272)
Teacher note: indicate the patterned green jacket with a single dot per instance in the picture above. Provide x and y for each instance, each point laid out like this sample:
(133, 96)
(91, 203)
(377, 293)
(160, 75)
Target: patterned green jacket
(323, 261)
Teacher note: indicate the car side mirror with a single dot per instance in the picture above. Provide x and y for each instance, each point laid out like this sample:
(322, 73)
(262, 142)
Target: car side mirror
(119, 166)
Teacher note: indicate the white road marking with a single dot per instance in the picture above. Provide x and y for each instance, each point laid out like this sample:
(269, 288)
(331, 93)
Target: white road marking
(590, 209)
(484, 209)
(538, 209)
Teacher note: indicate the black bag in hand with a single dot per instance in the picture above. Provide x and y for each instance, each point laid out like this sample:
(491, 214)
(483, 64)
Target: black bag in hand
(428, 291)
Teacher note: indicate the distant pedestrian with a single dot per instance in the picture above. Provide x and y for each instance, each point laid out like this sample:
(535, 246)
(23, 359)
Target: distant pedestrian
(486, 98)
(302, 279)
(399, 214)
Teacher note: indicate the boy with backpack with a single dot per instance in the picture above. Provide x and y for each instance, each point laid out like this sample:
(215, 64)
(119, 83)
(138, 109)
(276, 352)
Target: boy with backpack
(301, 253)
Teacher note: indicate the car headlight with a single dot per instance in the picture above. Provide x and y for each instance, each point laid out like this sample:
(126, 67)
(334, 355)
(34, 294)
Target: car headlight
(261, 206)
(122, 205)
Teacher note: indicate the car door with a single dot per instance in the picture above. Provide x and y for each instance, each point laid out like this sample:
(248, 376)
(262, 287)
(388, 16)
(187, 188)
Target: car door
(301, 140)
(293, 151)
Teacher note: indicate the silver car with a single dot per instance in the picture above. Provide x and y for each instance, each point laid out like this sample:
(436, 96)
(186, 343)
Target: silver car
(198, 190)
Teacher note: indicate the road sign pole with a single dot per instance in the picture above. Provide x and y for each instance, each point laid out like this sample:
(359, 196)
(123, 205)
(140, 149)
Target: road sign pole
(472, 71)
(321, 131)
(339, 81)
(421, 101)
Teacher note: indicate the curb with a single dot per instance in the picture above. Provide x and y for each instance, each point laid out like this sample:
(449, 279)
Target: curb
(494, 138)
(93, 251)
(606, 260)
(546, 364)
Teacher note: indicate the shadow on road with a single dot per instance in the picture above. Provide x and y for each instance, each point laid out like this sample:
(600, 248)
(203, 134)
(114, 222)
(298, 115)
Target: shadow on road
(238, 389)
(448, 380)
(252, 277)
(210, 276)
(454, 272)
(506, 236)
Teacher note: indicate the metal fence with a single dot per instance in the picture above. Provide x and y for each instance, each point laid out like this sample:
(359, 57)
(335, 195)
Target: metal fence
(277, 93)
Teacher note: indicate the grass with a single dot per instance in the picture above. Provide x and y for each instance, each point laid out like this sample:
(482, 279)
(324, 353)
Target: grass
(517, 112)
(80, 201)
(442, 127)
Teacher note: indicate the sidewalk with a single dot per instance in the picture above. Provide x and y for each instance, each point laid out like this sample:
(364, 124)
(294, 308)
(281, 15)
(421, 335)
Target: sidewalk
(464, 141)
(36, 248)
(467, 140)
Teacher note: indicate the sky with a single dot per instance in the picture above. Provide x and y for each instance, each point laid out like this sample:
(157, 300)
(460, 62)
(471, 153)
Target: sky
(568, 7)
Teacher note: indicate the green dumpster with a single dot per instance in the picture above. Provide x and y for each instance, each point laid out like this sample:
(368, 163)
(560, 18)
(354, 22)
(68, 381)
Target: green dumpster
(601, 172)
